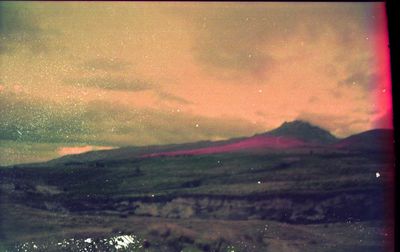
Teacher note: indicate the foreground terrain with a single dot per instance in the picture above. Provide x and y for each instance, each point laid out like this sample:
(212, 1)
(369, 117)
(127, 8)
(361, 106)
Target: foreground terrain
(301, 198)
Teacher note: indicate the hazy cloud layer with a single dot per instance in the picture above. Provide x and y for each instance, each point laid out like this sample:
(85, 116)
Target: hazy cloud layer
(339, 125)
(365, 80)
(99, 123)
(242, 38)
(174, 98)
(33, 120)
(147, 126)
(106, 64)
(111, 83)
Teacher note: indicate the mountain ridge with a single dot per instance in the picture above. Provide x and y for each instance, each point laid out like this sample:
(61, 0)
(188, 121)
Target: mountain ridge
(289, 135)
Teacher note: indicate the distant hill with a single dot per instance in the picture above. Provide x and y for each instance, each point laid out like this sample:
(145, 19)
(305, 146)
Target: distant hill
(371, 140)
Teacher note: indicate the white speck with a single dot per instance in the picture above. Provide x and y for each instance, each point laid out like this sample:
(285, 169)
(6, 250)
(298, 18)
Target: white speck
(354, 82)
(123, 241)
(152, 195)
(34, 246)
(377, 174)
(19, 132)
(260, 91)
(258, 182)
(366, 38)
(88, 240)
(250, 55)
(197, 125)
(178, 110)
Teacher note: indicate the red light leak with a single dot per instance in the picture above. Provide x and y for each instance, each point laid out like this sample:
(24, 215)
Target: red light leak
(247, 144)
(384, 100)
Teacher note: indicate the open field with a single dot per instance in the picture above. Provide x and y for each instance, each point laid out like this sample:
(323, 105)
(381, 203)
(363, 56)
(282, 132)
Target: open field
(263, 201)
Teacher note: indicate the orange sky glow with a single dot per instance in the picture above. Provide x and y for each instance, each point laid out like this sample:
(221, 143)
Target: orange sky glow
(76, 75)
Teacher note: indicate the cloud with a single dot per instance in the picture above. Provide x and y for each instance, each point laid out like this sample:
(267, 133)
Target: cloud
(229, 43)
(313, 99)
(117, 124)
(170, 97)
(184, 58)
(339, 125)
(111, 83)
(365, 80)
(62, 151)
(384, 120)
(15, 152)
(20, 29)
(105, 64)
(122, 84)
(25, 119)
(104, 123)
(235, 40)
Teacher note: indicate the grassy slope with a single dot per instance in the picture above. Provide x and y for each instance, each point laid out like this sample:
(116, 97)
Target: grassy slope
(224, 174)
(227, 174)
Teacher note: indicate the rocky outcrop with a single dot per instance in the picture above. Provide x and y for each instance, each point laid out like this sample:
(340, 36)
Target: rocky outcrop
(290, 208)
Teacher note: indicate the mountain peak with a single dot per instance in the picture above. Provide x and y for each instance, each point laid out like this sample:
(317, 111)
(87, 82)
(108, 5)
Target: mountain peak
(304, 131)
(296, 123)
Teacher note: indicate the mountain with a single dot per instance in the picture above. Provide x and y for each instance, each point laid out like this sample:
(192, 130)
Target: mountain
(304, 131)
(295, 135)
(289, 135)
(284, 137)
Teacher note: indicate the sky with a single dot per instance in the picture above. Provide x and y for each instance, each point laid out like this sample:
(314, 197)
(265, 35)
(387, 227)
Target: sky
(81, 76)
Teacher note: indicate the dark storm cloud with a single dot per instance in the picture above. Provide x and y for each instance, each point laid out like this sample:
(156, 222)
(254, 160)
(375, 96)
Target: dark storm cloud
(106, 64)
(19, 28)
(111, 83)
